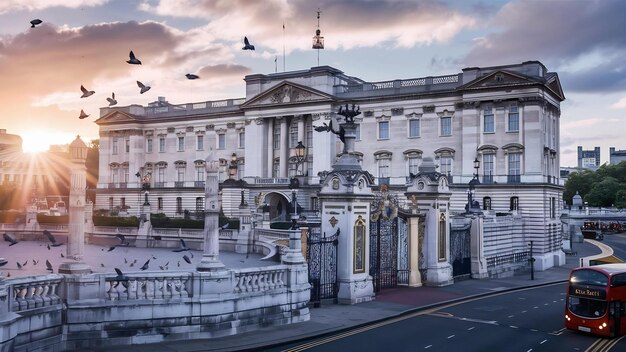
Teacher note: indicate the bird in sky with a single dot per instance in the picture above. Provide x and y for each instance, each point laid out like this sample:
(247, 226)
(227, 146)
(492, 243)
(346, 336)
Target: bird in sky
(51, 238)
(132, 59)
(86, 93)
(187, 259)
(247, 45)
(83, 114)
(9, 238)
(35, 22)
(144, 88)
(145, 266)
(112, 100)
(62, 256)
(183, 247)
(3, 262)
(192, 76)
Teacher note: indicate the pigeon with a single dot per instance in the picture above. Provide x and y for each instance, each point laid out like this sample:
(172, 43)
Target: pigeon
(86, 93)
(49, 266)
(132, 59)
(48, 245)
(9, 238)
(153, 257)
(35, 22)
(83, 115)
(161, 267)
(183, 247)
(187, 259)
(179, 263)
(19, 266)
(24, 264)
(166, 264)
(62, 256)
(102, 265)
(125, 261)
(120, 275)
(145, 266)
(191, 254)
(192, 76)
(51, 238)
(111, 248)
(247, 45)
(112, 100)
(35, 262)
(143, 87)
(132, 264)
(122, 239)
(3, 262)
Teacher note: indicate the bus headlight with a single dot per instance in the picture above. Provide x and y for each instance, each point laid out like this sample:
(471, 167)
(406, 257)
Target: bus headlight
(604, 325)
(567, 317)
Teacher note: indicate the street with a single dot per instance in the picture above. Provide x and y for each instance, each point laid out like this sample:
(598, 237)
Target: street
(523, 320)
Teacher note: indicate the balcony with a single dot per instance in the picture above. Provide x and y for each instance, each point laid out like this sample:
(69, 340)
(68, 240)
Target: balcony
(513, 179)
(198, 184)
(159, 184)
(487, 179)
(179, 184)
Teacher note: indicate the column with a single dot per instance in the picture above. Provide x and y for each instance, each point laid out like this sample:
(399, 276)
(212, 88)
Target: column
(211, 249)
(254, 143)
(301, 135)
(284, 147)
(415, 278)
(270, 147)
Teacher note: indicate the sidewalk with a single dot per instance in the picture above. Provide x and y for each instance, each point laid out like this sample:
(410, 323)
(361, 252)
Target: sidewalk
(389, 303)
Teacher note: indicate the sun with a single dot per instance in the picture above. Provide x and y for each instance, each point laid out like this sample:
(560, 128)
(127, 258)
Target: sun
(36, 141)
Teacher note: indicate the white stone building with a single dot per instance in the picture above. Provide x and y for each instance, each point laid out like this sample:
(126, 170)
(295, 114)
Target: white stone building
(506, 117)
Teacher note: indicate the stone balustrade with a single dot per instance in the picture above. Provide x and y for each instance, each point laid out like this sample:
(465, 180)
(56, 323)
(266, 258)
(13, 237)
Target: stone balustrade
(34, 292)
(148, 286)
(255, 280)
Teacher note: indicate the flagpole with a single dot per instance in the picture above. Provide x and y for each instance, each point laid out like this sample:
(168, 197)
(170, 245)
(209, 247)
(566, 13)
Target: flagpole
(283, 46)
(276, 64)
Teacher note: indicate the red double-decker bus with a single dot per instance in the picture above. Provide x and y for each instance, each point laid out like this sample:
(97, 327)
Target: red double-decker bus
(596, 300)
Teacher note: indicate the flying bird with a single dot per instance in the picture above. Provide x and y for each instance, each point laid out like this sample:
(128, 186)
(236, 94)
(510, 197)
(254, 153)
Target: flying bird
(9, 238)
(192, 76)
(49, 266)
(133, 60)
(48, 245)
(183, 247)
(62, 256)
(51, 238)
(86, 93)
(24, 264)
(144, 88)
(123, 242)
(145, 266)
(35, 262)
(19, 266)
(120, 275)
(83, 115)
(112, 100)
(187, 259)
(247, 45)
(35, 22)
(3, 262)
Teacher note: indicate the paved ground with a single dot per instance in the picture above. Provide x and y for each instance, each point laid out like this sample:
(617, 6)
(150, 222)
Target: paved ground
(389, 303)
(101, 260)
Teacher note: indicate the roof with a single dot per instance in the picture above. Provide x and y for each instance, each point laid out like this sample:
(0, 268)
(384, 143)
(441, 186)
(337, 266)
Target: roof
(609, 269)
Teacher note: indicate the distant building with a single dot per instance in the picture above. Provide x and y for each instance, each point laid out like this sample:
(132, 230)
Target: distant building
(616, 156)
(589, 159)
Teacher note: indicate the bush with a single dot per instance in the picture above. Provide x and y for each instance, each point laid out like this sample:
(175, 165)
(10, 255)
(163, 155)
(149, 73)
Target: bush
(281, 225)
(57, 220)
(11, 217)
(116, 221)
(162, 221)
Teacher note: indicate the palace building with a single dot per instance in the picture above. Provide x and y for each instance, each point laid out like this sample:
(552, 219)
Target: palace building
(497, 124)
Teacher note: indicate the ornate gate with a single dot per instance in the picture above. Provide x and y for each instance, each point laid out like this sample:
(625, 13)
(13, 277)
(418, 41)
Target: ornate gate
(389, 244)
(460, 252)
(321, 255)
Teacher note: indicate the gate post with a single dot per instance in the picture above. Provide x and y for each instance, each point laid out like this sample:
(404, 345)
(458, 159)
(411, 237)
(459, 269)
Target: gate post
(479, 265)
(415, 278)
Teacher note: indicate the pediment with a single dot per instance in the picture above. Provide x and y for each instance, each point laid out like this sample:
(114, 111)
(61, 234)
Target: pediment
(115, 117)
(499, 79)
(287, 93)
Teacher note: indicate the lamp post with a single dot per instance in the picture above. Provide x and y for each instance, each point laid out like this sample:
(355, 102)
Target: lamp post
(472, 184)
(300, 154)
(232, 168)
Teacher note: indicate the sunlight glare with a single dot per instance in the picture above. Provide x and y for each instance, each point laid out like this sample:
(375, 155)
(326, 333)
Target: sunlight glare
(35, 141)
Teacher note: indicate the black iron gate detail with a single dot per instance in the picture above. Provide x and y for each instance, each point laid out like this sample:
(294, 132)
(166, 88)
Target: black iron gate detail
(321, 255)
(460, 252)
(389, 252)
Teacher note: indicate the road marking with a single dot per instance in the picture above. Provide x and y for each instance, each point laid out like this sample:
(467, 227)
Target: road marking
(524, 311)
(451, 336)
(558, 332)
(510, 316)
(529, 350)
(554, 301)
(545, 304)
(542, 342)
(535, 307)
(597, 345)
(613, 343)
(470, 329)
(429, 346)
(513, 327)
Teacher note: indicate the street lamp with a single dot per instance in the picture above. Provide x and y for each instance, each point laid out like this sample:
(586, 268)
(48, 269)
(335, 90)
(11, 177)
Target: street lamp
(294, 204)
(300, 151)
(232, 168)
(476, 167)
(472, 184)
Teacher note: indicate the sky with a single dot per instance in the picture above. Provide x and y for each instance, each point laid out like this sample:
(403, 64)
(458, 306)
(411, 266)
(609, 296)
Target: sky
(86, 42)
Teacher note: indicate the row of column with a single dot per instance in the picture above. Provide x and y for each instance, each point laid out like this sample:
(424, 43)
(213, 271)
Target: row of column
(283, 144)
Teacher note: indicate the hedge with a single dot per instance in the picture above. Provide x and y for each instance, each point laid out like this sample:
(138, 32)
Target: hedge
(162, 221)
(49, 219)
(11, 217)
(116, 221)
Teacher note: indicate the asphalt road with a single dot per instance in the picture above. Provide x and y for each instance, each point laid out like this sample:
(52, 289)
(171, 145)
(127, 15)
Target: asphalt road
(525, 320)
(618, 243)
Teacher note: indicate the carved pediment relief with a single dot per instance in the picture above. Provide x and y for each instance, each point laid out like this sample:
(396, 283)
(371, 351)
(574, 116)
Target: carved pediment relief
(499, 78)
(116, 117)
(287, 93)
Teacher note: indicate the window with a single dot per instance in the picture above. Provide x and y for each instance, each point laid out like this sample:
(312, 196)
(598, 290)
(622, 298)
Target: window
(293, 134)
(357, 132)
(446, 126)
(160, 203)
(445, 165)
(513, 119)
(123, 203)
(221, 141)
(414, 128)
(488, 121)
(486, 203)
(276, 135)
(161, 176)
(276, 168)
(383, 167)
(127, 145)
(200, 173)
(552, 207)
(315, 203)
(181, 143)
(161, 144)
(242, 139)
(125, 174)
(114, 147)
(199, 205)
(149, 145)
(200, 142)
(110, 203)
(179, 205)
(488, 166)
(514, 167)
(414, 163)
(241, 167)
(309, 136)
(180, 174)
(514, 203)
(383, 130)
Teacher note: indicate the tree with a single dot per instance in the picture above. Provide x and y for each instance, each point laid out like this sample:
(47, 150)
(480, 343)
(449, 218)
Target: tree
(580, 182)
(602, 194)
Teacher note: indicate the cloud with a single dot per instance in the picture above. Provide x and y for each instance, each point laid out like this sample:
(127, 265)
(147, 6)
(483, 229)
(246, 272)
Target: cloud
(621, 104)
(33, 5)
(345, 24)
(224, 72)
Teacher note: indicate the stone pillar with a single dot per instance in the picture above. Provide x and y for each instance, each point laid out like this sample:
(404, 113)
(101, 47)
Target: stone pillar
(284, 148)
(254, 139)
(415, 278)
(479, 264)
(270, 147)
(78, 185)
(301, 135)
(210, 257)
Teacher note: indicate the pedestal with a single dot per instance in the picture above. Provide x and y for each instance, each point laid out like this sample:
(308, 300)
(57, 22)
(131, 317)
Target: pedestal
(74, 268)
(357, 289)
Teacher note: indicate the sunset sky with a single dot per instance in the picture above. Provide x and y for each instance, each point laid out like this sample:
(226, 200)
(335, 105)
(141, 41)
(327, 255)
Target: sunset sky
(87, 42)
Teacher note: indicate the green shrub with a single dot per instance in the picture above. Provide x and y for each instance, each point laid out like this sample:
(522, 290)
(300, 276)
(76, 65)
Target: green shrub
(162, 221)
(280, 225)
(11, 217)
(48, 219)
(116, 221)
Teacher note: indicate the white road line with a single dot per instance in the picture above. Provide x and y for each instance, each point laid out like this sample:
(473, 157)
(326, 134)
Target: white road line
(524, 311)
(542, 342)
(529, 350)
(513, 326)
(510, 316)
(429, 346)
(545, 304)
(553, 301)
(534, 330)
(535, 307)
(471, 328)
(451, 336)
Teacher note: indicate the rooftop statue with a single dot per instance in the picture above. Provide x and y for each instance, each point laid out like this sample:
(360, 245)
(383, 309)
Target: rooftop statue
(335, 127)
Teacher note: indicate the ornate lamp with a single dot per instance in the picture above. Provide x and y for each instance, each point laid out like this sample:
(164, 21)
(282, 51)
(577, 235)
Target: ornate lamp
(232, 168)
(300, 151)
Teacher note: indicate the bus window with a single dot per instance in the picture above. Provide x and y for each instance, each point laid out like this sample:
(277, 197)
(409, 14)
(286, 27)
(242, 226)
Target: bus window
(585, 307)
(618, 280)
(589, 277)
